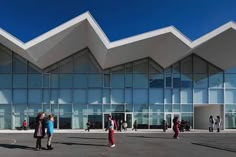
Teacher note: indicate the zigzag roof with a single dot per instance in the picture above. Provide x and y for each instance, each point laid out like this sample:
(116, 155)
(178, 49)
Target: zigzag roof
(165, 46)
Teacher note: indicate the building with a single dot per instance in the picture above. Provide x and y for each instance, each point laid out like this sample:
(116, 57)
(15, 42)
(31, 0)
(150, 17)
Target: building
(74, 72)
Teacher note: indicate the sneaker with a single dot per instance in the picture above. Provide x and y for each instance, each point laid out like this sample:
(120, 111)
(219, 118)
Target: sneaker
(113, 145)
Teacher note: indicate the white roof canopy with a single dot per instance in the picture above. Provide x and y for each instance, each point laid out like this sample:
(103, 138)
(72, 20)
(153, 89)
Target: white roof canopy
(165, 46)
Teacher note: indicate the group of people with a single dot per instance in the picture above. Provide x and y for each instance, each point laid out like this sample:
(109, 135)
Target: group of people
(40, 124)
(214, 122)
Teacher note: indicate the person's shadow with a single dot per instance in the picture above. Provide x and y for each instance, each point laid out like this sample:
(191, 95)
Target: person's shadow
(13, 146)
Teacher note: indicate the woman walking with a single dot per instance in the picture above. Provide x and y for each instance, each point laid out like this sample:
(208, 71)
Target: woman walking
(50, 130)
(111, 132)
(39, 132)
(176, 127)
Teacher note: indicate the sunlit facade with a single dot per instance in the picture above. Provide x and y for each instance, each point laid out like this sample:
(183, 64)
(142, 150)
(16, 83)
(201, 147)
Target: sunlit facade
(76, 90)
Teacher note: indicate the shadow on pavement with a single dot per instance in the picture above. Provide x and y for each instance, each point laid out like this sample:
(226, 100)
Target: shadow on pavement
(89, 138)
(152, 137)
(81, 144)
(11, 146)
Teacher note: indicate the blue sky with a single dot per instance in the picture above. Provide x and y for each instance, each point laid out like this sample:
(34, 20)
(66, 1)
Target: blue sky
(27, 19)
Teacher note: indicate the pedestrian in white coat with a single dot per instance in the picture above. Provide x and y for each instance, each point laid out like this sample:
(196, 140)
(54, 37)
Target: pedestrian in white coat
(211, 123)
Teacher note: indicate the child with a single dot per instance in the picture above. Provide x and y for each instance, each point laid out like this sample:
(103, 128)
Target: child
(39, 132)
(50, 130)
(110, 127)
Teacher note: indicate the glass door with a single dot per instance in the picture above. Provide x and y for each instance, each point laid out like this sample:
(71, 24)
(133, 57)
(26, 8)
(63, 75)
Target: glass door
(169, 118)
(105, 122)
(129, 119)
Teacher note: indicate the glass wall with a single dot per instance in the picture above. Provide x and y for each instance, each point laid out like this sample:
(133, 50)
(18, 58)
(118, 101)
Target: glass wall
(77, 90)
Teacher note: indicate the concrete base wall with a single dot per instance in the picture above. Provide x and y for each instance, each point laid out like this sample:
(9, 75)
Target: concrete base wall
(203, 112)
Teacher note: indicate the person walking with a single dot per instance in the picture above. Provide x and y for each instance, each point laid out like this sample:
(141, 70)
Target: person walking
(176, 127)
(50, 131)
(211, 123)
(39, 132)
(164, 125)
(120, 125)
(218, 122)
(110, 128)
(135, 125)
(24, 125)
(88, 126)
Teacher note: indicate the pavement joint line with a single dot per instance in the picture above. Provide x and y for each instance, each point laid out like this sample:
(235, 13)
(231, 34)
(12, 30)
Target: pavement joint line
(214, 147)
(14, 141)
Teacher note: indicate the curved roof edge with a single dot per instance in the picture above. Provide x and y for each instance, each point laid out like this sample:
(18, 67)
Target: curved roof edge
(168, 39)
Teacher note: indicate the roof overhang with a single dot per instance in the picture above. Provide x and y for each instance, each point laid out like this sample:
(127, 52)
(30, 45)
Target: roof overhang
(165, 46)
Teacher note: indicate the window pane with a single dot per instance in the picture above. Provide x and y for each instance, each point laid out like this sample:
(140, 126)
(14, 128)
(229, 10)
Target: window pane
(5, 81)
(200, 96)
(140, 96)
(34, 81)
(107, 80)
(95, 80)
(20, 96)
(230, 80)
(141, 108)
(142, 120)
(176, 81)
(168, 96)
(186, 81)
(187, 108)
(156, 96)
(216, 80)
(46, 96)
(168, 80)
(230, 108)
(168, 108)
(66, 80)
(118, 81)
(54, 96)
(156, 120)
(157, 108)
(5, 96)
(156, 81)
(35, 108)
(65, 96)
(176, 108)
(140, 81)
(94, 96)
(128, 80)
(230, 96)
(141, 66)
(80, 81)
(46, 80)
(117, 96)
(186, 95)
(35, 96)
(200, 81)
(80, 96)
(118, 108)
(128, 96)
(230, 120)
(94, 108)
(19, 81)
(54, 80)
(106, 96)
(216, 96)
(19, 65)
(176, 95)
(5, 60)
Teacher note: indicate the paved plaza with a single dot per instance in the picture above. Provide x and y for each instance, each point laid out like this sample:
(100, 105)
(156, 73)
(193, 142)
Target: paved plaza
(127, 145)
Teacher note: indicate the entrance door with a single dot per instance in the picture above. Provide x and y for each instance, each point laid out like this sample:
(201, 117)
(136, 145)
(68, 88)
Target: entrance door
(169, 118)
(105, 116)
(129, 119)
(115, 116)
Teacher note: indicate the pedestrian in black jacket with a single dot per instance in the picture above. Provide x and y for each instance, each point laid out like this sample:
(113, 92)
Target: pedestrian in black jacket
(39, 132)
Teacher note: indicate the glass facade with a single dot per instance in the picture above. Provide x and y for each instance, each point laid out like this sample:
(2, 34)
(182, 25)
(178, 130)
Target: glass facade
(77, 90)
